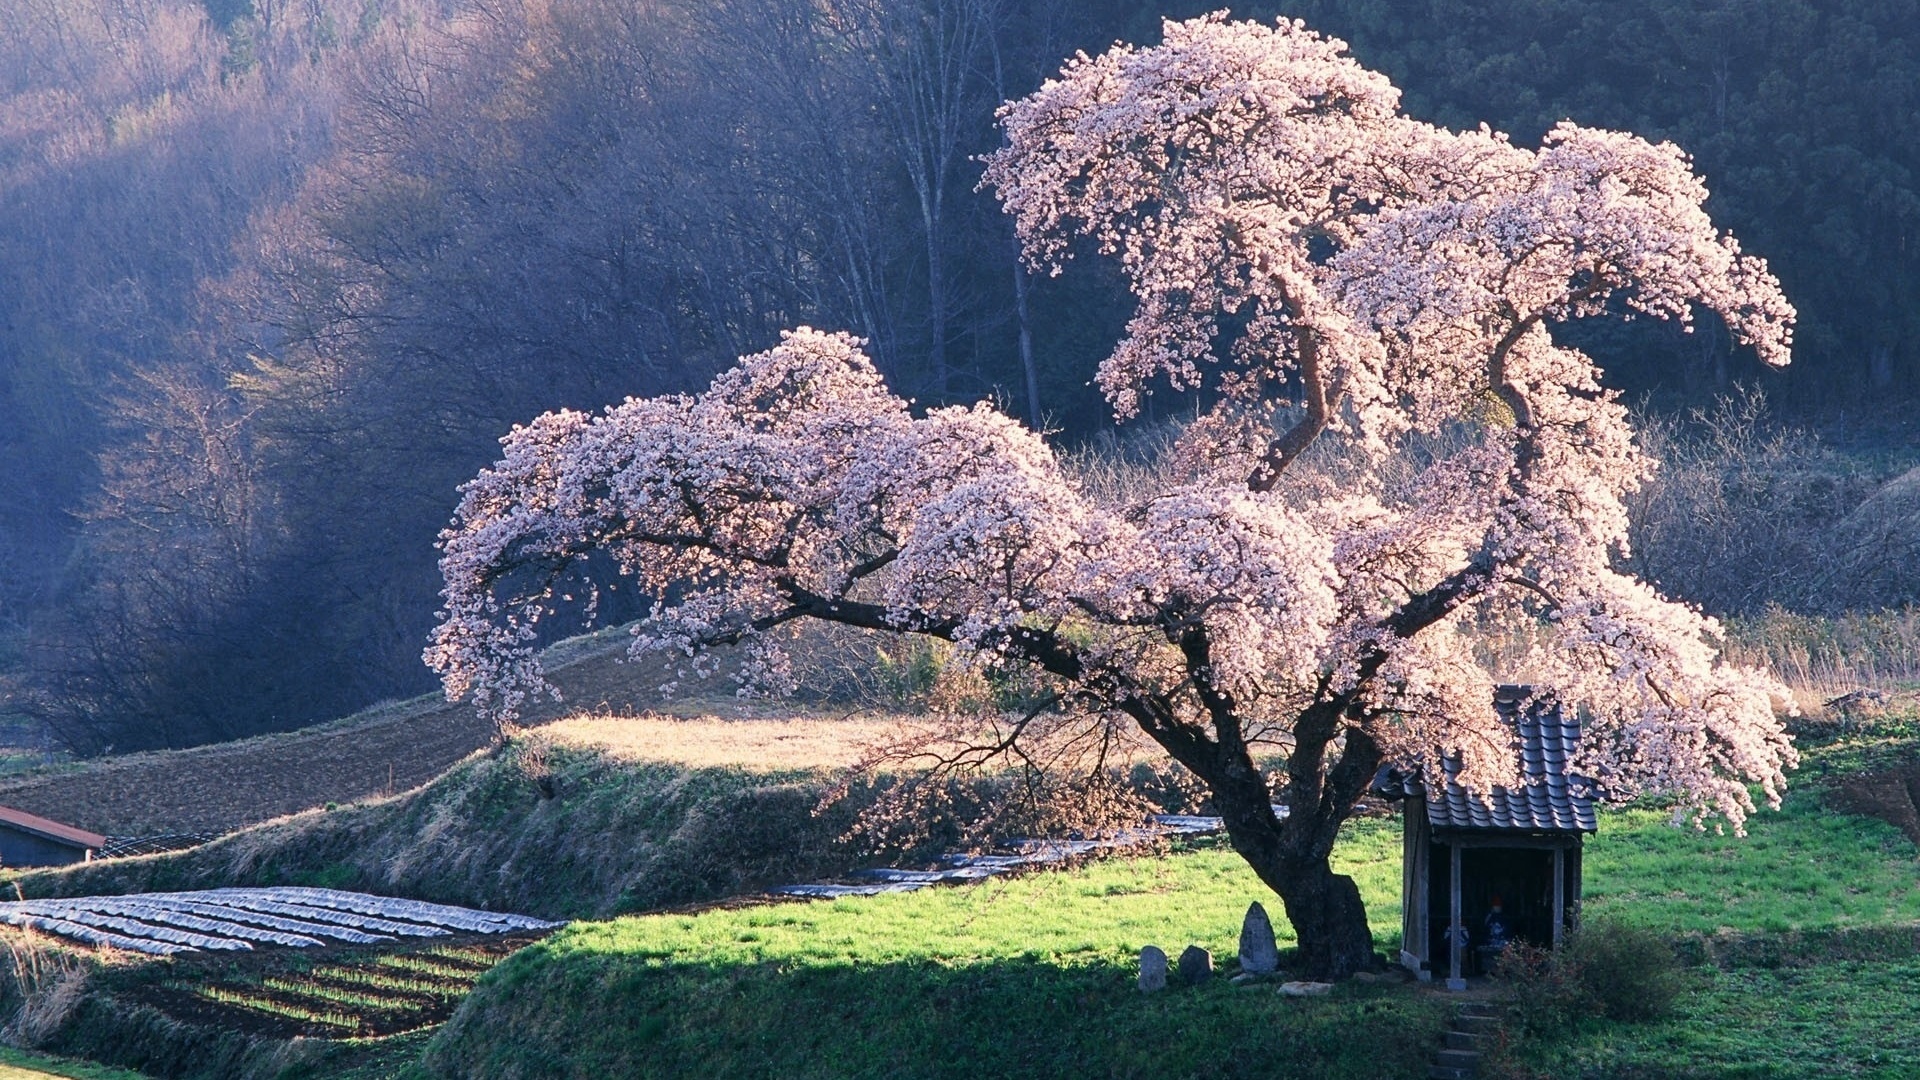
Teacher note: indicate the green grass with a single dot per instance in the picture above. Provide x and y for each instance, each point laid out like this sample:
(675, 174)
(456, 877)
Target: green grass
(1803, 868)
(1033, 976)
(1841, 1019)
(20, 1065)
(1816, 919)
(1030, 976)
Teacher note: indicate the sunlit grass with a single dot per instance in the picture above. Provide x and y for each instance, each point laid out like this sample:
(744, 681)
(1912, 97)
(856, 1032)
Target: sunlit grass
(1099, 913)
(1026, 976)
(758, 745)
(1802, 868)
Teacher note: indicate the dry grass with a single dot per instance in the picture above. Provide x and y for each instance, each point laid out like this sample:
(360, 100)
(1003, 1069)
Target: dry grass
(41, 983)
(756, 744)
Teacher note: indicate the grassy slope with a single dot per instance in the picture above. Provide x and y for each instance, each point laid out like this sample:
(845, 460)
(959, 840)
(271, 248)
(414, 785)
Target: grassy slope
(1804, 868)
(1031, 976)
(617, 835)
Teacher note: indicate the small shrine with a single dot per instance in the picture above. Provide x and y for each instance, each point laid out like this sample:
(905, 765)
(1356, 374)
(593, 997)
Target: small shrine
(1482, 870)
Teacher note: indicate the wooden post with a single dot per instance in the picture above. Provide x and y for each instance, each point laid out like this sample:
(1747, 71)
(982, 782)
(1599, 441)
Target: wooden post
(1559, 893)
(1422, 903)
(1415, 948)
(1456, 923)
(1573, 901)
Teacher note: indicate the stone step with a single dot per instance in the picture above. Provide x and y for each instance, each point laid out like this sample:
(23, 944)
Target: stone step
(1465, 1040)
(1457, 1059)
(1476, 1025)
(1477, 1008)
(1448, 1072)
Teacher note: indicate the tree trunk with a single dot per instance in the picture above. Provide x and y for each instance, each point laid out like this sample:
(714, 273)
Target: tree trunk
(1329, 918)
(1292, 854)
(1330, 922)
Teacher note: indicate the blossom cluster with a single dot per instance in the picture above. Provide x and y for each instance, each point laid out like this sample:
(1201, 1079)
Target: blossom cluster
(1342, 277)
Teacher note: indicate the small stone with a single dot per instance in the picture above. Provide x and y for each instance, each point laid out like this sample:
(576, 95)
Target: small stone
(1153, 969)
(1259, 953)
(1248, 978)
(1368, 977)
(1196, 965)
(1305, 989)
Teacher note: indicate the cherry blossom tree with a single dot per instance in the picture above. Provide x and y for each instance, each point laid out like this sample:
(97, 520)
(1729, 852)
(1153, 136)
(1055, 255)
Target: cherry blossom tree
(1342, 282)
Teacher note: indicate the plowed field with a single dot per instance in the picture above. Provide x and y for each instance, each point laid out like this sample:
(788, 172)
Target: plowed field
(384, 750)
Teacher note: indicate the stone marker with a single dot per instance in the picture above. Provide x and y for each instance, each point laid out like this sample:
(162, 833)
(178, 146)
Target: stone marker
(1196, 965)
(1259, 953)
(1153, 969)
(1305, 989)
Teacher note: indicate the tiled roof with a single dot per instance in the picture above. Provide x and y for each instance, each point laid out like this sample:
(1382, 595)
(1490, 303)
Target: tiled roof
(51, 830)
(1551, 800)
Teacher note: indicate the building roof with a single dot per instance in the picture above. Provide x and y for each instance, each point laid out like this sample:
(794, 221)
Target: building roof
(49, 830)
(1552, 800)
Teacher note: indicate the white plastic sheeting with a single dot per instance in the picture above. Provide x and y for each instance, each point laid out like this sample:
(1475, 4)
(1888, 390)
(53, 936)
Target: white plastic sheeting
(962, 868)
(163, 924)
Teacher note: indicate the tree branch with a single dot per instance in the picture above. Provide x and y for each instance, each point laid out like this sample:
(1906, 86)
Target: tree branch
(1285, 450)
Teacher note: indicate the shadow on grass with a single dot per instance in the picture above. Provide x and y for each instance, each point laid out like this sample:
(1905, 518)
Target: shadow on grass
(631, 1015)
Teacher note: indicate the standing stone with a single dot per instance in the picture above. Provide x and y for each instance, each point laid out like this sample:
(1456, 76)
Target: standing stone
(1259, 953)
(1196, 965)
(1153, 969)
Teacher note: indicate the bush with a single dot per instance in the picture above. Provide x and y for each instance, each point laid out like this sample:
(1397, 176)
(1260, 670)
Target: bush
(1627, 972)
(1545, 989)
(1604, 969)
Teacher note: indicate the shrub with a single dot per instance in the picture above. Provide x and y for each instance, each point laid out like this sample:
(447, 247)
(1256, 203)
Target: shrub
(1626, 972)
(1606, 969)
(1545, 989)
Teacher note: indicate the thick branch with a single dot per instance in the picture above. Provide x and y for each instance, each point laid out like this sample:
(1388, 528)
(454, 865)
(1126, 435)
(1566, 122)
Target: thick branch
(1285, 450)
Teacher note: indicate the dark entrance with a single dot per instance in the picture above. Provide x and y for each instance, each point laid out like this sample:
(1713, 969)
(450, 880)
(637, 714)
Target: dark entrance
(1519, 878)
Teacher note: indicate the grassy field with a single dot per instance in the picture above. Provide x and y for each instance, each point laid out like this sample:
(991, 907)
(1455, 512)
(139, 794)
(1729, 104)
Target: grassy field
(1813, 921)
(1804, 868)
(20, 1065)
(1031, 976)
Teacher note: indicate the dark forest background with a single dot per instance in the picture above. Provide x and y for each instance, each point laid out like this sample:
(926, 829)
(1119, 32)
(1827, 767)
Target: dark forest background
(276, 274)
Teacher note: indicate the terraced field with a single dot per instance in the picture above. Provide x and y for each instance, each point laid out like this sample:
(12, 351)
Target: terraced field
(347, 993)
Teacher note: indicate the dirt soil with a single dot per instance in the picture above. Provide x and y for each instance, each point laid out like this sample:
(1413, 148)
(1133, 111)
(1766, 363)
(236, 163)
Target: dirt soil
(385, 750)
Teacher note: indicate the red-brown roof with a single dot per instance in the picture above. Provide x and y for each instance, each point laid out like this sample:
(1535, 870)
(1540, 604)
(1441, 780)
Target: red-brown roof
(51, 830)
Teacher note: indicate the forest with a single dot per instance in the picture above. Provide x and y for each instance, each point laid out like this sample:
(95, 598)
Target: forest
(276, 276)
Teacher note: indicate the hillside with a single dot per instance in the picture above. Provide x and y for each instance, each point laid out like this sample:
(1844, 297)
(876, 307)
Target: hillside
(384, 750)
